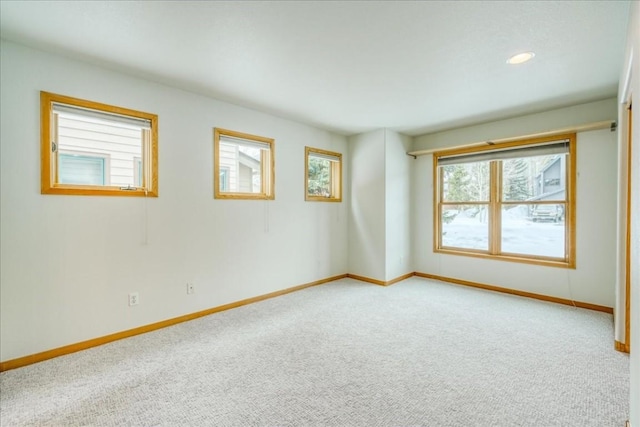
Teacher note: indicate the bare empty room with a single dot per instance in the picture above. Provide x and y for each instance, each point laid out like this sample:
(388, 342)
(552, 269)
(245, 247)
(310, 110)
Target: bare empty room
(319, 213)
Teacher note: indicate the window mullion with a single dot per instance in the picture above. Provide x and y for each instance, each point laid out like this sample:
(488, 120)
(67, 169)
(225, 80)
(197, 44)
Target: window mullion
(334, 181)
(145, 163)
(263, 172)
(440, 197)
(495, 228)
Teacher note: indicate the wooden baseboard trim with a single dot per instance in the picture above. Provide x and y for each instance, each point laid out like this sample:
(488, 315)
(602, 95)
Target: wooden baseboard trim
(84, 345)
(518, 293)
(622, 347)
(400, 279)
(380, 282)
(72, 348)
(366, 279)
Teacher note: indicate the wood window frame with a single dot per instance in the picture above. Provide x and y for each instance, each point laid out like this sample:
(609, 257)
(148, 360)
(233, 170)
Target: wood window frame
(627, 286)
(267, 167)
(48, 135)
(335, 176)
(495, 205)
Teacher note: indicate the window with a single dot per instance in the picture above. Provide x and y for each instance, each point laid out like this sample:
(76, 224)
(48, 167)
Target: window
(96, 149)
(243, 166)
(512, 201)
(323, 175)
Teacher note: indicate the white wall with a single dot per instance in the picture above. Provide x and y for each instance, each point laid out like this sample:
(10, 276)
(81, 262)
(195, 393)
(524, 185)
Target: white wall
(398, 204)
(68, 262)
(630, 85)
(593, 279)
(546, 121)
(379, 223)
(367, 237)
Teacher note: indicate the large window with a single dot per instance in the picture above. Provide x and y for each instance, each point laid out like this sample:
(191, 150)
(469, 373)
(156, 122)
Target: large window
(323, 175)
(512, 201)
(243, 166)
(96, 149)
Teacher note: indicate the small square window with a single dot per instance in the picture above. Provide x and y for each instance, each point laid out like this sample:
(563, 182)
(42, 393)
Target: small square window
(323, 175)
(243, 166)
(96, 149)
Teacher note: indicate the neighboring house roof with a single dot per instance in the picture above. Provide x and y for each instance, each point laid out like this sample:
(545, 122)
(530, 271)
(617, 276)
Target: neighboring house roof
(551, 163)
(545, 195)
(249, 161)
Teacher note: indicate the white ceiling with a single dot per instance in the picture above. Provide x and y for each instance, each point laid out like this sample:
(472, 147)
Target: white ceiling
(415, 67)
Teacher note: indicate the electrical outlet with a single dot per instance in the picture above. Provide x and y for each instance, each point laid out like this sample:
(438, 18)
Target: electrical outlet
(190, 288)
(134, 298)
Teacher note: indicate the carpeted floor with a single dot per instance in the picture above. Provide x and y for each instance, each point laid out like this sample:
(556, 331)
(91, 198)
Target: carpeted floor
(346, 353)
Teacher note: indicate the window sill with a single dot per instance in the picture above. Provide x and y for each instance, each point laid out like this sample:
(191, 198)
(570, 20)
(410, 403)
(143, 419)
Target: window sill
(86, 190)
(534, 260)
(244, 196)
(322, 199)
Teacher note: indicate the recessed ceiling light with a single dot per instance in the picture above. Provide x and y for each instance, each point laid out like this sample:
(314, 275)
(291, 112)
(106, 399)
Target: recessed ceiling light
(520, 58)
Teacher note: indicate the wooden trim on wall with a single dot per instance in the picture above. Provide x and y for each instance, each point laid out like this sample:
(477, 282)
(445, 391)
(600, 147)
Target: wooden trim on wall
(627, 304)
(84, 345)
(335, 173)
(624, 348)
(380, 282)
(518, 293)
(267, 160)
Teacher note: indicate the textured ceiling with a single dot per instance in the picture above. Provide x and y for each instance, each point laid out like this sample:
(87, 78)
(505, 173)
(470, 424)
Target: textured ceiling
(415, 67)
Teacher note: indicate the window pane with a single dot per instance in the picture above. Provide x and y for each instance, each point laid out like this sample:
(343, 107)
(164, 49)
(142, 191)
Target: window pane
(240, 168)
(249, 170)
(467, 182)
(137, 171)
(81, 170)
(465, 226)
(534, 230)
(534, 178)
(120, 142)
(319, 177)
(224, 179)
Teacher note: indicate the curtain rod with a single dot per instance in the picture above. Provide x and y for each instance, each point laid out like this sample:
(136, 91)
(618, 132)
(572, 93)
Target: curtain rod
(611, 124)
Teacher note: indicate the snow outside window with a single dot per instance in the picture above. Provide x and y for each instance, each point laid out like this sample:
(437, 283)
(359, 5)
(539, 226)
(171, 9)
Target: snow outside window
(514, 202)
